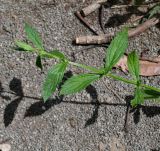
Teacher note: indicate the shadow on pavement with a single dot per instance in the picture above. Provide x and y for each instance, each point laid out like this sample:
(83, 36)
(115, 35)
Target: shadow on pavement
(93, 93)
(40, 107)
(9, 113)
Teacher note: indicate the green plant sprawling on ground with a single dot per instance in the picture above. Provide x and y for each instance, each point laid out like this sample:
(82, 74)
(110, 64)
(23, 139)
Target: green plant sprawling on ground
(79, 82)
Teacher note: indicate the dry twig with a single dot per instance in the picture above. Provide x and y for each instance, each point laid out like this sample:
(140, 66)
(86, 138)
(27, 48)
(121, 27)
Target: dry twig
(91, 8)
(105, 38)
(81, 18)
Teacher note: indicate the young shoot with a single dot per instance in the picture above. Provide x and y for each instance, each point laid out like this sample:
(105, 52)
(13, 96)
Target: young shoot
(79, 82)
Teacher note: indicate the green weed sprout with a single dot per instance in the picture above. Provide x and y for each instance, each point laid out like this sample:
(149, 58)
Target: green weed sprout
(79, 82)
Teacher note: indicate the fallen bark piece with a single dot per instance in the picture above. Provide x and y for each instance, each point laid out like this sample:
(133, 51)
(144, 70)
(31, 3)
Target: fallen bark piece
(91, 8)
(151, 59)
(147, 68)
(105, 38)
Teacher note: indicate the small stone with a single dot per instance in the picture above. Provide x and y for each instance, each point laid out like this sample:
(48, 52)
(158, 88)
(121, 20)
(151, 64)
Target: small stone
(5, 147)
(72, 122)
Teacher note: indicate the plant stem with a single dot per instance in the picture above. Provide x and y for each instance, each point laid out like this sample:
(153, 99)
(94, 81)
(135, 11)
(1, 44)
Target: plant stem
(48, 55)
(121, 79)
(150, 87)
(132, 82)
(100, 71)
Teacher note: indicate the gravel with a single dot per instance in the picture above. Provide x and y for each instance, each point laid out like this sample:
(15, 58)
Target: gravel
(80, 122)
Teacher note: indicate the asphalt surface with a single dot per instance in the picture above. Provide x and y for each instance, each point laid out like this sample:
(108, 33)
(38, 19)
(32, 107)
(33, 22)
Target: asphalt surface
(86, 121)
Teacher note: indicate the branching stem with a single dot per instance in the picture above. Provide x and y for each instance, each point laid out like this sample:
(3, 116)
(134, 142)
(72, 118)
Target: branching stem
(100, 71)
(94, 70)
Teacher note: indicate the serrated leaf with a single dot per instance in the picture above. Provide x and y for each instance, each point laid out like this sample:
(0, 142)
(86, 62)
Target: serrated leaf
(133, 65)
(53, 54)
(33, 36)
(39, 62)
(24, 46)
(138, 98)
(151, 94)
(154, 11)
(116, 49)
(77, 83)
(54, 77)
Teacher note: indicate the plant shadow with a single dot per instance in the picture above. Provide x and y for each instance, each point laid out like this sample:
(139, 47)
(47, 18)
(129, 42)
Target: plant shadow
(9, 113)
(149, 111)
(128, 106)
(117, 19)
(93, 93)
(35, 109)
(39, 108)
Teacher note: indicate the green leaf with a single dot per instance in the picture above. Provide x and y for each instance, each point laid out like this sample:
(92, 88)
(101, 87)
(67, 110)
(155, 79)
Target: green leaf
(77, 83)
(151, 94)
(53, 54)
(23, 46)
(154, 11)
(139, 97)
(133, 65)
(54, 77)
(33, 36)
(38, 62)
(116, 49)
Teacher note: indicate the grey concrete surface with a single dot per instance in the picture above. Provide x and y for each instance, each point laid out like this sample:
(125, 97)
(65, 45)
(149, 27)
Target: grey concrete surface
(76, 123)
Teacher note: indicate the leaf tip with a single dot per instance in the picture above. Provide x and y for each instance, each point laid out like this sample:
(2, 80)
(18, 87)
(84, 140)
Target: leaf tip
(133, 103)
(45, 100)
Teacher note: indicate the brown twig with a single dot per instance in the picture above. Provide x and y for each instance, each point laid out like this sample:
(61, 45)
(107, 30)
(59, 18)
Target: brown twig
(126, 6)
(91, 8)
(141, 28)
(101, 18)
(100, 39)
(105, 38)
(131, 5)
(136, 18)
(90, 27)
